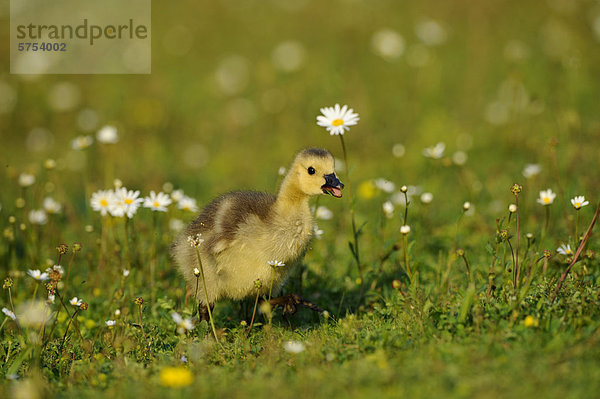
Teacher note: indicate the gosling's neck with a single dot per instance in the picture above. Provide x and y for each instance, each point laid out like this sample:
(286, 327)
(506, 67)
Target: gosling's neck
(291, 199)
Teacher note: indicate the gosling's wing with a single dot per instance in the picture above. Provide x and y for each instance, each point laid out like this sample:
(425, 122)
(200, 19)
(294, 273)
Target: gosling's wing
(220, 221)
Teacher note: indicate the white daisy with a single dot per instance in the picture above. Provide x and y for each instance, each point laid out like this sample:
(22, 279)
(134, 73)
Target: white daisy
(9, 313)
(385, 185)
(126, 202)
(26, 179)
(183, 325)
(323, 213)
(51, 206)
(108, 135)
(110, 323)
(177, 195)
(466, 206)
(435, 152)
(426, 198)
(125, 273)
(76, 301)
(318, 233)
(546, 197)
(187, 204)
(38, 216)
(405, 229)
(157, 202)
(101, 201)
(81, 142)
(565, 249)
(294, 347)
(388, 209)
(337, 120)
(579, 202)
(275, 263)
(531, 169)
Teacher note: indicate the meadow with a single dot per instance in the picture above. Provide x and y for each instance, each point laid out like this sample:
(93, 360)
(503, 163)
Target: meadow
(460, 262)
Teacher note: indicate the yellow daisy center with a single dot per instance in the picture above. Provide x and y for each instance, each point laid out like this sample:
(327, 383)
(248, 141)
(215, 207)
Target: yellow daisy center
(103, 202)
(156, 204)
(337, 122)
(577, 205)
(546, 200)
(128, 201)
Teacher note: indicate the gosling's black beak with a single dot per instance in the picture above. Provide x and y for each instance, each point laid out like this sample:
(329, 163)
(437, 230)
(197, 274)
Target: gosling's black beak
(332, 185)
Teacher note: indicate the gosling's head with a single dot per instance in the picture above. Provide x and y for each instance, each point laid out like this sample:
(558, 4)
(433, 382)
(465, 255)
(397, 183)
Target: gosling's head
(312, 172)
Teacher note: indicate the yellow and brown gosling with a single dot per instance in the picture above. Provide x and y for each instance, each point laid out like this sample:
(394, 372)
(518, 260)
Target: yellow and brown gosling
(244, 230)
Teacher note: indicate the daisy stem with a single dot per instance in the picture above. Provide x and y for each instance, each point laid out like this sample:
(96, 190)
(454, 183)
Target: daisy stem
(577, 228)
(457, 228)
(516, 272)
(254, 311)
(62, 344)
(512, 252)
(12, 307)
(103, 241)
(464, 256)
(545, 230)
(351, 200)
(196, 292)
(153, 260)
(143, 331)
(127, 253)
(271, 284)
(35, 291)
(404, 245)
(210, 317)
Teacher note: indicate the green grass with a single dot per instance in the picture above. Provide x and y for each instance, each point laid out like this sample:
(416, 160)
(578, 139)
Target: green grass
(436, 336)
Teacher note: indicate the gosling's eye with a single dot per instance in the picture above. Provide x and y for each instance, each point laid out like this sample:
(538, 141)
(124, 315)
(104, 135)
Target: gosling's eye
(311, 170)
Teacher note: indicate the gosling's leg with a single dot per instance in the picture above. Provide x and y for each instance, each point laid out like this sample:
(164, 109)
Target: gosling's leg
(290, 303)
(203, 311)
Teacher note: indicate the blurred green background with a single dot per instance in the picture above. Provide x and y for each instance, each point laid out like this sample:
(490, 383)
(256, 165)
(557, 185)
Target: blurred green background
(236, 86)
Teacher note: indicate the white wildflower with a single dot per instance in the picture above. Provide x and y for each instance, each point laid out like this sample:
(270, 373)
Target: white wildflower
(435, 152)
(81, 142)
(51, 206)
(546, 197)
(9, 313)
(294, 347)
(531, 169)
(38, 275)
(157, 202)
(579, 201)
(183, 325)
(108, 135)
(102, 201)
(38, 216)
(26, 179)
(337, 120)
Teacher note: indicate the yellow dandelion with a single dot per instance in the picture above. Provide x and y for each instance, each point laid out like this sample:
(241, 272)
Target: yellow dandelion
(531, 321)
(176, 377)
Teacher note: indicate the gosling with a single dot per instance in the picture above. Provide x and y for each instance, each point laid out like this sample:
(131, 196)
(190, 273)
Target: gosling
(244, 230)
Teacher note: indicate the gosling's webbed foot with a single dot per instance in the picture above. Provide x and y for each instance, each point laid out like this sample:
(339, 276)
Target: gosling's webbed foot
(290, 303)
(203, 311)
